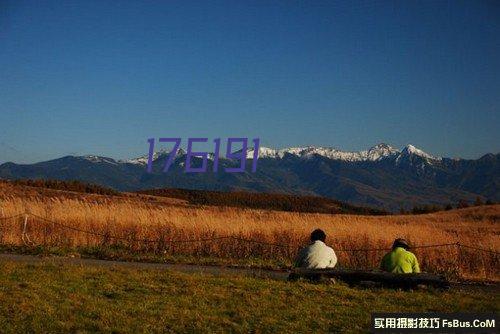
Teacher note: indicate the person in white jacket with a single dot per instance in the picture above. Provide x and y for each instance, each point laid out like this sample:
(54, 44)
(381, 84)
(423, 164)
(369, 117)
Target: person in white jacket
(317, 255)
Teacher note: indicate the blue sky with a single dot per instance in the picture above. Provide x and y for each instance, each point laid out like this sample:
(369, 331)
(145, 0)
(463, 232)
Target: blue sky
(100, 77)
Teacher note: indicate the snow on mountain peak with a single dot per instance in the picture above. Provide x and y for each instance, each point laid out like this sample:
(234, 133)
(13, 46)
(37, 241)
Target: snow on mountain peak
(412, 150)
(143, 160)
(264, 152)
(382, 147)
(380, 151)
(375, 153)
(98, 159)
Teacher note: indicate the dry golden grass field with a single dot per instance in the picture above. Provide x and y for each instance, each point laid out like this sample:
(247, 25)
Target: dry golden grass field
(172, 226)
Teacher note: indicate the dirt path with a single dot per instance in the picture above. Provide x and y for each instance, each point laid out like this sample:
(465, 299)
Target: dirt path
(193, 268)
(188, 268)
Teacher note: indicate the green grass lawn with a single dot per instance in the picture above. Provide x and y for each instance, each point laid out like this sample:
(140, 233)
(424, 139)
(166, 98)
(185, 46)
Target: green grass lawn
(123, 254)
(70, 298)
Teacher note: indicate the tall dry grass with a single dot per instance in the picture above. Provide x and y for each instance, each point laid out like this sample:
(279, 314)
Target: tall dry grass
(141, 218)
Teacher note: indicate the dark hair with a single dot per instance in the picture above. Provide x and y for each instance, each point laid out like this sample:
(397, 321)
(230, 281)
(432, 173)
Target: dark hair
(318, 234)
(400, 242)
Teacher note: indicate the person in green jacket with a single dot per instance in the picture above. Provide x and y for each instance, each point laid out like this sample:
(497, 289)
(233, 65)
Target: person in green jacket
(400, 260)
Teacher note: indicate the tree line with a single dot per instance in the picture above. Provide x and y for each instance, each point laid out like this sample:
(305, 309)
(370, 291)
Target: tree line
(461, 204)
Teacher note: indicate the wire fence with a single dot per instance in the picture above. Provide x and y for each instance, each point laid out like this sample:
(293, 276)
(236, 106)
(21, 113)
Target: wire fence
(27, 240)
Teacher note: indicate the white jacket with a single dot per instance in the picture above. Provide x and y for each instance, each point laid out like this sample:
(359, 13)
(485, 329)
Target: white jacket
(316, 256)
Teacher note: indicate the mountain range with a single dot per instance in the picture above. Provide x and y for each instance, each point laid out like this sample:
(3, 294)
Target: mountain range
(381, 177)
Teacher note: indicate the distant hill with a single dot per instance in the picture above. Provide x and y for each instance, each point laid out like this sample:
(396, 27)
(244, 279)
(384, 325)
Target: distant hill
(76, 186)
(381, 177)
(266, 201)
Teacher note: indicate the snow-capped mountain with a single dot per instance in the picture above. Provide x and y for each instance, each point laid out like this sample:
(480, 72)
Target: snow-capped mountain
(98, 159)
(375, 153)
(380, 176)
(412, 150)
(143, 160)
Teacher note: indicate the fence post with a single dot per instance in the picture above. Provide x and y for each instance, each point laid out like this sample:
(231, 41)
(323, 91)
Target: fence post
(24, 236)
(3, 215)
(458, 260)
(23, 233)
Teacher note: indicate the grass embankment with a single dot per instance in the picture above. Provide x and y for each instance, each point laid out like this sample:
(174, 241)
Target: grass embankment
(163, 221)
(43, 297)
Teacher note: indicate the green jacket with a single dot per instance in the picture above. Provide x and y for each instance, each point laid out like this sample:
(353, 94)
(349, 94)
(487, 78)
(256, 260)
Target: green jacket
(400, 261)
